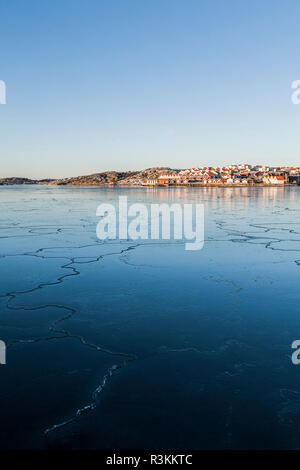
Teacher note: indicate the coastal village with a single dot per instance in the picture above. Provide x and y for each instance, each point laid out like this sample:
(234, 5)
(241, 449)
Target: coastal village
(242, 174)
(231, 175)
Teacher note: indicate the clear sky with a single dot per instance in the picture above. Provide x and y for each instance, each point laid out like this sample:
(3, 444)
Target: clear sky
(128, 84)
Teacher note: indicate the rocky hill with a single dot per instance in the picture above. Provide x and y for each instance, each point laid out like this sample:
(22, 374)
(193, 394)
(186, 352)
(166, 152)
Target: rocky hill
(111, 177)
(104, 178)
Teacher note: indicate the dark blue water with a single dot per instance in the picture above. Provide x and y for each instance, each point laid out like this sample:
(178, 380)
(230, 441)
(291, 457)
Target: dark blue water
(116, 345)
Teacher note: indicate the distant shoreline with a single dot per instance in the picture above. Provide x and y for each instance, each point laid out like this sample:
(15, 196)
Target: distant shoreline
(241, 175)
(166, 186)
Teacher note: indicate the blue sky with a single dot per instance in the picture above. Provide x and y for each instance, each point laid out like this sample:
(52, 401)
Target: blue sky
(124, 84)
